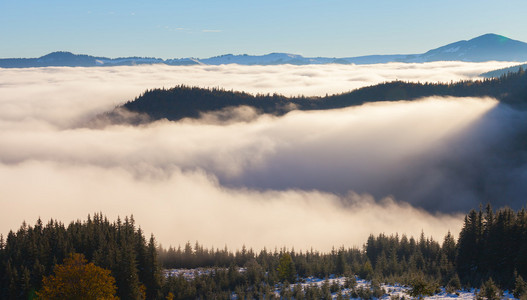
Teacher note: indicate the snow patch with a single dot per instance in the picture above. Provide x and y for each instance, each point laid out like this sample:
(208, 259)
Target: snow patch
(452, 50)
(397, 291)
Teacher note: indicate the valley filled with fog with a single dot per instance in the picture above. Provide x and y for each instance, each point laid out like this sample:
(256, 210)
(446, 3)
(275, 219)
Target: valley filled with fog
(306, 179)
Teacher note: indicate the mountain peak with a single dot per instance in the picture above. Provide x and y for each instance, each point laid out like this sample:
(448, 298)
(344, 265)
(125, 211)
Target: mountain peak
(491, 37)
(486, 47)
(58, 54)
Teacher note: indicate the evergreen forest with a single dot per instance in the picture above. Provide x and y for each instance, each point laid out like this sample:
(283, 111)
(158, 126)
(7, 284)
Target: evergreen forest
(489, 253)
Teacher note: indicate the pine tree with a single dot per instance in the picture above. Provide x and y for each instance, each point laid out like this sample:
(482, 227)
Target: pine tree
(469, 244)
(153, 271)
(449, 247)
(489, 290)
(520, 287)
(286, 268)
(341, 265)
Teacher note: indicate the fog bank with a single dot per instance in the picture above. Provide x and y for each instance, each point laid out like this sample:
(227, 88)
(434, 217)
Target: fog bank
(307, 179)
(63, 96)
(188, 206)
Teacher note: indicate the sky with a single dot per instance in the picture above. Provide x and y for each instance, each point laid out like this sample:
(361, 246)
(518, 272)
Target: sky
(205, 28)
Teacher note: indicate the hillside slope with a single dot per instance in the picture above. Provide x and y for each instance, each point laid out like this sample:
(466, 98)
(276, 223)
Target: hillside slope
(189, 102)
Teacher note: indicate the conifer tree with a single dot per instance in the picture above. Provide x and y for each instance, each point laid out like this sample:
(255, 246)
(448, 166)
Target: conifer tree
(286, 268)
(153, 271)
(489, 290)
(520, 287)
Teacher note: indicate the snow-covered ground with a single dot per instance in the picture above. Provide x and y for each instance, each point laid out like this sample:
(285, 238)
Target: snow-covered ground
(192, 273)
(397, 291)
(392, 291)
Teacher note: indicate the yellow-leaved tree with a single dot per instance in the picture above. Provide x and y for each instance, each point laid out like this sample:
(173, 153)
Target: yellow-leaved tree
(78, 279)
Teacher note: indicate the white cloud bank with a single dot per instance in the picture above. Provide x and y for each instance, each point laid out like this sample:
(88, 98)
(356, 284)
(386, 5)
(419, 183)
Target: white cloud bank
(268, 182)
(61, 96)
(188, 206)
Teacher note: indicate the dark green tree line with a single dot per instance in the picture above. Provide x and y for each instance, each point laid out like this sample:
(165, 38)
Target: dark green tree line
(31, 253)
(489, 253)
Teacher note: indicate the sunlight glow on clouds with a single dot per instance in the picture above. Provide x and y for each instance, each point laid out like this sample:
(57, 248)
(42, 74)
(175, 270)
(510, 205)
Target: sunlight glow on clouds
(190, 206)
(62, 95)
(221, 183)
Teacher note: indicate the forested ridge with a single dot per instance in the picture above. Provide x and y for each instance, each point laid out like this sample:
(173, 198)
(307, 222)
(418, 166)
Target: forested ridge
(32, 252)
(490, 250)
(189, 102)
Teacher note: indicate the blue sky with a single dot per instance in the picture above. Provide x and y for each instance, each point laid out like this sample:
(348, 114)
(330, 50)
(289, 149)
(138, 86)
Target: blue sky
(183, 28)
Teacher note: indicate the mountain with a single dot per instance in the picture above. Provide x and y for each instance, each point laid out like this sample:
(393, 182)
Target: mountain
(483, 48)
(268, 59)
(68, 59)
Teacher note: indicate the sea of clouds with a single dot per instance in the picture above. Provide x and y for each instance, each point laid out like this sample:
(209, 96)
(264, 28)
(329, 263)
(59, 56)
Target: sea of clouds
(307, 179)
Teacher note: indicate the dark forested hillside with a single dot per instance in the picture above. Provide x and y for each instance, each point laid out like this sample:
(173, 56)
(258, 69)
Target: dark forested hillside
(501, 72)
(32, 252)
(491, 248)
(188, 102)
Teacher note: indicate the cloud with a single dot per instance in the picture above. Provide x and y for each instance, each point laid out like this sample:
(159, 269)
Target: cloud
(188, 206)
(232, 177)
(64, 96)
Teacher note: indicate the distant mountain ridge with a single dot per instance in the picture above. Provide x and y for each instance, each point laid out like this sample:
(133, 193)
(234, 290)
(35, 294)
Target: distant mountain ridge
(68, 59)
(487, 47)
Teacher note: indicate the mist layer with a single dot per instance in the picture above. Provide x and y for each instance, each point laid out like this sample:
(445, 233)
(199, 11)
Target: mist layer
(307, 179)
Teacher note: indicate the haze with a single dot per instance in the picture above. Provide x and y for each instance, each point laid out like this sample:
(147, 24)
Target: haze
(307, 179)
